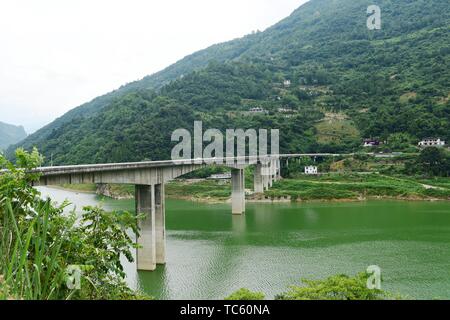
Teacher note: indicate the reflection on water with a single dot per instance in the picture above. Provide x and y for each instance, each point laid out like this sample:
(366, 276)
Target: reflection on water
(211, 253)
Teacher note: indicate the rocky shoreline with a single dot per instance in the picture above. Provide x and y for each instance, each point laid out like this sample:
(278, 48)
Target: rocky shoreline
(106, 190)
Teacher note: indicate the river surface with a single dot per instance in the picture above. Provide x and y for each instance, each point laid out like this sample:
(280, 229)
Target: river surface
(211, 253)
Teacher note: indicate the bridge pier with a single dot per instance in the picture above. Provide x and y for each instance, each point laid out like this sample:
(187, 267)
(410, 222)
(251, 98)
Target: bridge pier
(265, 175)
(276, 170)
(150, 200)
(279, 177)
(145, 204)
(160, 223)
(258, 179)
(237, 191)
(271, 175)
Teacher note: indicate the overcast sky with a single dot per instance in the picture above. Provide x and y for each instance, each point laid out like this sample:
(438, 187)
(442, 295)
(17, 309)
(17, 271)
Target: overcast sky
(56, 55)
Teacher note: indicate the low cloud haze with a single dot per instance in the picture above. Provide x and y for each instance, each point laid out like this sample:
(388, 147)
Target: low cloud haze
(56, 55)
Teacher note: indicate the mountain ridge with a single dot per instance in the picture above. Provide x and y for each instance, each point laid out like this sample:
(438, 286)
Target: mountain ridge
(386, 81)
(10, 134)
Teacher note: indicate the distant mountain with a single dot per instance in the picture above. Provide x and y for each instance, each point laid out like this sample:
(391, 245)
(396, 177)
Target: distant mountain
(338, 80)
(10, 134)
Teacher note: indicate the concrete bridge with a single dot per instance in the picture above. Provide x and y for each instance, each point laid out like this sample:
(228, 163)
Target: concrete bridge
(149, 179)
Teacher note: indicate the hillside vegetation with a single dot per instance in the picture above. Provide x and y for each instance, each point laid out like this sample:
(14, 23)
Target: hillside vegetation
(10, 134)
(388, 81)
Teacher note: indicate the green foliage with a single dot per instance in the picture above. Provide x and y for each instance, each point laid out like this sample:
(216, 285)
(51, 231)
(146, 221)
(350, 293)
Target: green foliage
(324, 187)
(201, 190)
(399, 141)
(339, 287)
(4, 290)
(246, 295)
(431, 162)
(353, 186)
(38, 243)
(97, 245)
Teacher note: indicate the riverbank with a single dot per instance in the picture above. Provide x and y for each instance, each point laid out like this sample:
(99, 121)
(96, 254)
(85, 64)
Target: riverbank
(328, 187)
(354, 187)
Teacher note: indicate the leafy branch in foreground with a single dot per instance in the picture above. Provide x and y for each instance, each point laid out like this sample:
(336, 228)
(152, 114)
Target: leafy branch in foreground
(39, 242)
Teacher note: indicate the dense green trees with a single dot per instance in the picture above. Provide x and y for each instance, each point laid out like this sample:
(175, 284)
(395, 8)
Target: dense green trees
(400, 142)
(339, 287)
(431, 162)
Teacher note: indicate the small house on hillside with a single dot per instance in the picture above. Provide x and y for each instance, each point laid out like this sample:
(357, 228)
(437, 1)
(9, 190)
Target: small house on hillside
(311, 170)
(431, 142)
(257, 110)
(287, 83)
(371, 143)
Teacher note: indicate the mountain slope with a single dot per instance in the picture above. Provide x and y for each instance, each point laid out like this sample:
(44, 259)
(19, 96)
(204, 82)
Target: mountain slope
(10, 134)
(385, 81)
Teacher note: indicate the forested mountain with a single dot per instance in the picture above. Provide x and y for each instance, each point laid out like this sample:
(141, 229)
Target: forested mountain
(10, 134)
(324, 78)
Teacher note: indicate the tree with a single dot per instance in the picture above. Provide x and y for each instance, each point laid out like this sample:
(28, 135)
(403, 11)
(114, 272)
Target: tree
(339, 287)
(433, 161)
(245, 294)
(399, 141)
(39, 245)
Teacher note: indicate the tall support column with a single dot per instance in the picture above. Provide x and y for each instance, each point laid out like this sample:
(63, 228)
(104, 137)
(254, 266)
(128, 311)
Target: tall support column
(145, 204)
(238, 191)
(275, 170)
(258, 179)
(265, 176)
(160, 224)
(271, 173)
(279, 177)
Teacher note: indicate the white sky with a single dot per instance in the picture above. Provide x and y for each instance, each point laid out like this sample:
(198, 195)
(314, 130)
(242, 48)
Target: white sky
(56, 55)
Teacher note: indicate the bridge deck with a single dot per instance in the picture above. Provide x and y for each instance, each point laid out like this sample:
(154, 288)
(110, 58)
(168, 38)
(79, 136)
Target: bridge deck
(90, 168)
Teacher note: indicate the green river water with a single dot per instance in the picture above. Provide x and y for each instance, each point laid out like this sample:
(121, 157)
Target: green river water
(211, 253)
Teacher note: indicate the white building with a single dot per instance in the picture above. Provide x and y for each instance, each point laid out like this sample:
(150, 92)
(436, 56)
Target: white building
(221, 176)
(310, 170)
(287, 83)
(285, 110)
(432, 142)
(258, 110)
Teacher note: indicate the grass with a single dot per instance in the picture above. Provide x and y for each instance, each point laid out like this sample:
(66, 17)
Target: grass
(201, 190)
(436, 182)
(354, 186)
(335, 128)
(31, 281)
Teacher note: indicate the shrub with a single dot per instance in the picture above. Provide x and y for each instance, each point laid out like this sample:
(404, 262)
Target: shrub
(39, 244)
(245, 294)
(339, 287)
